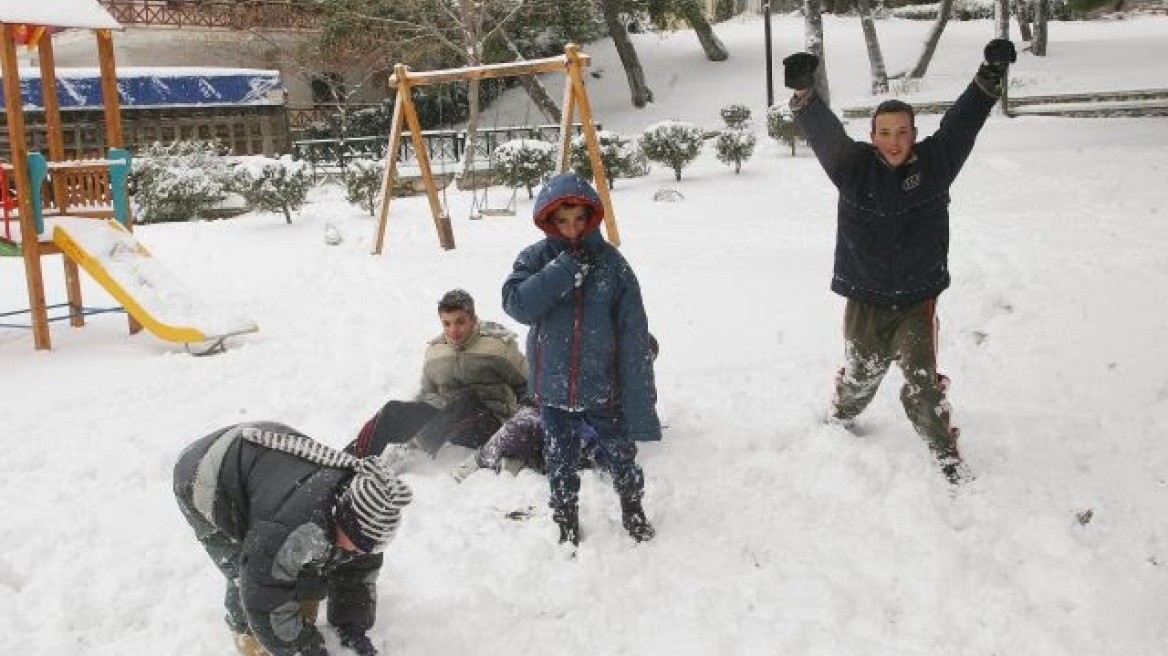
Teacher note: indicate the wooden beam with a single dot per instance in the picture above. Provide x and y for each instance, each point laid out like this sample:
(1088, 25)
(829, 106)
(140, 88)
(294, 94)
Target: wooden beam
(490, 71)
(109, 92)
(52, 109)
(18, 147)
(395, 134)
(114, 137)
(576, 81)
(441, 221)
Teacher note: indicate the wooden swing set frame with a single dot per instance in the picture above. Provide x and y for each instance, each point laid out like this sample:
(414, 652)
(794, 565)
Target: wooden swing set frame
(572, 63)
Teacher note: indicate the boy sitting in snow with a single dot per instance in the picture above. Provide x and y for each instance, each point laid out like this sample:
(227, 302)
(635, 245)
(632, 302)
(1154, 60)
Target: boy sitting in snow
(472, 377)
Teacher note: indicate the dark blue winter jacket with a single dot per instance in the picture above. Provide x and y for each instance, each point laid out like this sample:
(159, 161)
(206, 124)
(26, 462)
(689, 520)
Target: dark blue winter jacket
(892, 235)
(588, 345)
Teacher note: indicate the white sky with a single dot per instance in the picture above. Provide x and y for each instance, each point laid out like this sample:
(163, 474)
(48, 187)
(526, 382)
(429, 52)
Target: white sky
(776, 535)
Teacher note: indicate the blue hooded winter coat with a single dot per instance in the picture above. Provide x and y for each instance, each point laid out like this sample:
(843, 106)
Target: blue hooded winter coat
(588, 343)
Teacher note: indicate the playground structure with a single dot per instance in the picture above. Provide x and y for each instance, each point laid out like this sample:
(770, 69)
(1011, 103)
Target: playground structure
(571, 63)
(79, 208)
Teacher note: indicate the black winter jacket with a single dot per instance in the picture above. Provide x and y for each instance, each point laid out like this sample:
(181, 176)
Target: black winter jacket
(277, 508)
(892, 235)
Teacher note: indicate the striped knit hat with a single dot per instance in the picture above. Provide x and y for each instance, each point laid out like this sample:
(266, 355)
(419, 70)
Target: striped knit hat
(368, 511)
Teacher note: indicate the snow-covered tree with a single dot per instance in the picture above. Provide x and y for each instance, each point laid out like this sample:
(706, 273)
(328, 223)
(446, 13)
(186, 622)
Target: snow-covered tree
(781, 125)
(736, 116)
(272, 184)
(620, 155)
(363, 182)
(524, 163)
(180, 181)
(672, 143)
(734, 147)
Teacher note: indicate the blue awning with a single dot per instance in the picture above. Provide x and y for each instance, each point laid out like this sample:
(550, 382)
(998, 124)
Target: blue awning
(158, 87)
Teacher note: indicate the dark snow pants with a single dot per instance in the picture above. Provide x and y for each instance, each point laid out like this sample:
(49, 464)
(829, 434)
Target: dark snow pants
(874, 336)
(464, 421)
(564, 431)
(223, 548)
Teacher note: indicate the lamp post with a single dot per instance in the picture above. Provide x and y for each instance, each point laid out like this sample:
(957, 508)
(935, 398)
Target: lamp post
(770, 86)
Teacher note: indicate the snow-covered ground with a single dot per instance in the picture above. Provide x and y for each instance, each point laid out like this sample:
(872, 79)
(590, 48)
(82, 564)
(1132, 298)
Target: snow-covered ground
(776, 535)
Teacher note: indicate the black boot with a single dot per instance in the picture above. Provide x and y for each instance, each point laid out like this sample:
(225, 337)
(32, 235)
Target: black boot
(568, 519)
(953, 467)
(633, 518)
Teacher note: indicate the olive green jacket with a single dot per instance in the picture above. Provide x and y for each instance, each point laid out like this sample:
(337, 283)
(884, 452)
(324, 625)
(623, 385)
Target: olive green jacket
(489, 364)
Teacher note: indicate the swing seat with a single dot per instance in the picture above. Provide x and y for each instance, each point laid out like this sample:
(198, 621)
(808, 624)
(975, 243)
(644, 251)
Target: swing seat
(496, 211)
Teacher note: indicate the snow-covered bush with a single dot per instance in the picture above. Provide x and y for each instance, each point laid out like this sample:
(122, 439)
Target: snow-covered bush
(363, 182)
(180, 181)
(672, 143)
(272, 184)
(620, 155)
(964, 10)
(737, 116)
(524, 163)
(735, 147)
(781, 126)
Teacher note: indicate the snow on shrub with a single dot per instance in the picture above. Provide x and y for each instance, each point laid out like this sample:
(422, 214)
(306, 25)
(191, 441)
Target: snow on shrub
(737, 116)
(620, 156)
(272, 185)
(363, 182)
(524, 163)
(781, 126)
(672, 143)
(180, 181)
(734, 147)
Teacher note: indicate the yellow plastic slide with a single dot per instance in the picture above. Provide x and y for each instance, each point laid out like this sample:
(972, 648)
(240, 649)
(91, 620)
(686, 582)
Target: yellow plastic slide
(148, 290)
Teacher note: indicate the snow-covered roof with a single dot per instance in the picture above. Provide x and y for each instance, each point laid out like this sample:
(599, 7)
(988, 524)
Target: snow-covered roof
(80, 88)
(57, 13)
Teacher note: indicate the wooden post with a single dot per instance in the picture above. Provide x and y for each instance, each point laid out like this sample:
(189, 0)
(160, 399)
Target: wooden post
(112, 105)
(441, 221)
(109, 94)
(567, 116)
(52, 109)
(395, 134)
(576, 78)
(18, 146)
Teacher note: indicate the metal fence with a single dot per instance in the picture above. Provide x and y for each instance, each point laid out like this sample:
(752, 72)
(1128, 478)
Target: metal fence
(444, 147)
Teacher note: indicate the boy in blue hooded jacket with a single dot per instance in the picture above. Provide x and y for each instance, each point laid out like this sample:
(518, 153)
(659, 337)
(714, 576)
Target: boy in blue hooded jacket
(587, 350)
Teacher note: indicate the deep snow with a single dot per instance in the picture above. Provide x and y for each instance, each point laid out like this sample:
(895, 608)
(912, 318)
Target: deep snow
(776, 535)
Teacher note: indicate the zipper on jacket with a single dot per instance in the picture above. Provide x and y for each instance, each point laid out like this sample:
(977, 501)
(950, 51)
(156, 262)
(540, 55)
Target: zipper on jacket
(573, 381)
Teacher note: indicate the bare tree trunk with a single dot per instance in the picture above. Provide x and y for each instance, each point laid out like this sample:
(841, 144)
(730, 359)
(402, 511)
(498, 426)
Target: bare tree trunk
(472, 131)
(693, 14)
(1041, 12)
(535, 89)
(933, 39)
(474, 57)
(1022, 15)
(875, 58)
(638, 88)
(813, 37)
(1002, 19)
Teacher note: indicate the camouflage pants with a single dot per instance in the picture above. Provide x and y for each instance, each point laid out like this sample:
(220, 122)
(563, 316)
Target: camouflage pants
(874, 337)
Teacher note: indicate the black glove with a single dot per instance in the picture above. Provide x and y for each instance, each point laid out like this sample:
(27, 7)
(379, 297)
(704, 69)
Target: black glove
(1000, 51)
(799, 70)
(999, 54)
(354, 638)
